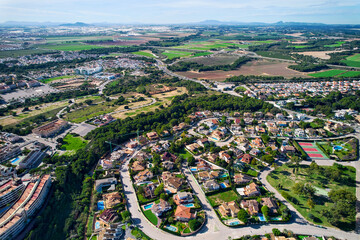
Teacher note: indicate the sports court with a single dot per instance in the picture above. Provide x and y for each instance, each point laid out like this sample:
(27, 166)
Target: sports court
(313, 151)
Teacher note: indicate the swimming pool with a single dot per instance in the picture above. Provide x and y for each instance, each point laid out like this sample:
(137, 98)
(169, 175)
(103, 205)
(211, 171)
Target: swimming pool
(222, 185)
(190, 205)
(97, 225)
(224, 175)
(193, 169)
(171, 228)
(338, 148)
(276, 218)
(16, 160)
(148, 206)
(234, 223)
(261, 217)
(215, 138)
(100, 205)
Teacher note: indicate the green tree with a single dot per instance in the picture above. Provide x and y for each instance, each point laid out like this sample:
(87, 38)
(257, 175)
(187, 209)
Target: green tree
(265, 211)
(159, 189)
(194, 224)
(243, 216)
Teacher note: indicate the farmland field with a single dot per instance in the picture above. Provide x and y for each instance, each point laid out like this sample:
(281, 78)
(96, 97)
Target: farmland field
(352, 61)
(258, 68)
(214, 60)
(71, 47)
(23, 52)
(329, 73)
(337, 44)
(274, 55)
(199, 54)
(350, 74)
(144, 53)
(175, 54)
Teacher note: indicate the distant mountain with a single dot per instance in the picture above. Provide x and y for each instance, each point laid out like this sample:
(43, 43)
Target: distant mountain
(77, 24)
(281, 23)
(18, 23)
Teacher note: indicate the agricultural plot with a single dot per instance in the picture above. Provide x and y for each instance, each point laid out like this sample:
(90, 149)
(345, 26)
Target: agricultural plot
(313, 151)
(219, 59)
(170, 54)
(23, 52)
(71, 47)
(352, 61)
(329, 73)
(144, 53)
(350, 74)
(337, 44)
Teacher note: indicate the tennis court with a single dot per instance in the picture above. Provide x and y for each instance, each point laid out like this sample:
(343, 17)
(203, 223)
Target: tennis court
(313, 151)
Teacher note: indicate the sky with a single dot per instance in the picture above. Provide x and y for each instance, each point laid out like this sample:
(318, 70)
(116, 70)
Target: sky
(181, 11)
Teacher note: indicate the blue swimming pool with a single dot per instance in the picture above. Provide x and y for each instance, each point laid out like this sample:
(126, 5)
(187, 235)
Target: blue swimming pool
(276, 218)
(222, 185)
(338, 148)
(215, 138)
(15, 160)
(261, 217)
(171, 228)
(234, 223)
(193, 169)
(97, 225)
(100, 205)
(148, 206)
(190, 205)
(224, 175)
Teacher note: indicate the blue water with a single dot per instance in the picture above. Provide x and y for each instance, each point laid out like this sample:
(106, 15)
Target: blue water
(234, 223)
(100, 205)
(190, 205)
(171, 228)
(222, 185)
(338, 148)
(215, 138)
(276, 218)
(15, 160)
(148, 206)
(224, 175)
(193, 169)
(261, 217)
(97, 225)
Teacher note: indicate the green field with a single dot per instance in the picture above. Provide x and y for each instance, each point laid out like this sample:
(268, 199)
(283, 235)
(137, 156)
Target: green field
(88, 112)
(23, 52)
(274, 55)
(300, 46)
(337, 44)
(352, 61)
(56, 78)
(222, 197)
(350, 74)
(284, 178)
(199, 54)
(71, 47)
(146, 54)
(151, 216)
(175, 54)
(72, 143)
(329, 73)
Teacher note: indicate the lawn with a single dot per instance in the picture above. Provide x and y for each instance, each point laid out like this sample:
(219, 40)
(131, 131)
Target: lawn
(352, 61)
(329, 73)
(284, 178)
(175, 54)
(72, 143)
(151, 216)
(142, 53)
(56, 78)
(222, 197)
(88, 112)
(350, 74)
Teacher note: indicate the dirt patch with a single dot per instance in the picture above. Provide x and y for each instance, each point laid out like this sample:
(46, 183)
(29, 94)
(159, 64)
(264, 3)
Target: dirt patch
(258, 67)
(318, 54)
(210, 60)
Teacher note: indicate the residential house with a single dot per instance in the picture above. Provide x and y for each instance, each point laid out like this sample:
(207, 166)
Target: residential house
(183, 198)
(108, 216)
(211, 185)
(229, 209)
(204, 176)
(271, 203)
(152, 136)
(212, 157)
(161, 207)
(251, 205)
(240, 178)
(287, 149)
(255, 152)
(252, 190)
(157, 149)
(183, 214)
(138, 166)
(143, 175)
(168, 157)
(168, 165)
(174, 184)
(257, 143)
(202, 166)
(217, 135)
(149, 191)
(194, 147)
(202, 142)
(246, 158)
(225, 156)
(112, 199)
